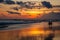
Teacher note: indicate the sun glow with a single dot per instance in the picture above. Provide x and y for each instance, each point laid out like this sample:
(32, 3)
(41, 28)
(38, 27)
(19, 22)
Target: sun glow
(32, 13)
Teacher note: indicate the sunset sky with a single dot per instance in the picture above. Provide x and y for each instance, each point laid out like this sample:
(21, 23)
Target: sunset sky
(54, 2)
(25, 13)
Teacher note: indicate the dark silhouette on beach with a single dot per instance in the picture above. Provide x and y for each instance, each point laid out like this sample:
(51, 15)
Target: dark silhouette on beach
(50, 24)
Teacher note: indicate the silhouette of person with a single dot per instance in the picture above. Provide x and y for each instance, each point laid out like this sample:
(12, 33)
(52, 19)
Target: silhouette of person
(50, 24)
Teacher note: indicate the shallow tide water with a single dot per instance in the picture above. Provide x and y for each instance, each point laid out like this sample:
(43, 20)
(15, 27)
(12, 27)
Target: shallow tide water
(17, 31)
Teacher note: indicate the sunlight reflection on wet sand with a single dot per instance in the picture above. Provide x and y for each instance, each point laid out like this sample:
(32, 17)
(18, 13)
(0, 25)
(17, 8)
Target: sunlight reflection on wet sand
(33, 29)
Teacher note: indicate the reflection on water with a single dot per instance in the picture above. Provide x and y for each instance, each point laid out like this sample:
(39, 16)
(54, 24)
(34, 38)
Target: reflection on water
(33, 31)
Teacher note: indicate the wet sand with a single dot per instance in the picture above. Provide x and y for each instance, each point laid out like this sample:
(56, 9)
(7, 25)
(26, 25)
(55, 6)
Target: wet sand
(16, 33)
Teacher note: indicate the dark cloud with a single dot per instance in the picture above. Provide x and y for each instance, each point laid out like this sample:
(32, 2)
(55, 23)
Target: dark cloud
(20, 2)
(13, 12)
(46, 4)
(15, 8)
(9, 2)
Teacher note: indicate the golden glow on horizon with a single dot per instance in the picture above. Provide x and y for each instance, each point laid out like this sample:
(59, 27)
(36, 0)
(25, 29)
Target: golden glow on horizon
(32, 13)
